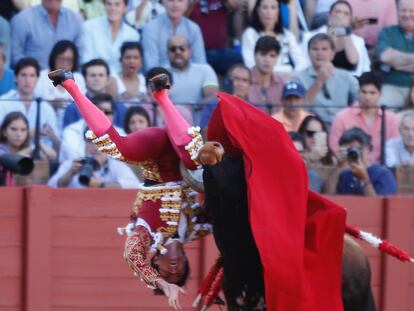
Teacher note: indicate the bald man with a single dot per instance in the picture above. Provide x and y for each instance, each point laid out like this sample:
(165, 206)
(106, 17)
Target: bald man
(193, 84)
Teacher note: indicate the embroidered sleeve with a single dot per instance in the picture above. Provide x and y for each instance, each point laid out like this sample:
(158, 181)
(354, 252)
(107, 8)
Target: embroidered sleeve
(136, 247)
(194, 146)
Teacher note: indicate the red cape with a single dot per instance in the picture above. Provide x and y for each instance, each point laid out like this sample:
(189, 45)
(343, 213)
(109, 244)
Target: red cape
(298, 233)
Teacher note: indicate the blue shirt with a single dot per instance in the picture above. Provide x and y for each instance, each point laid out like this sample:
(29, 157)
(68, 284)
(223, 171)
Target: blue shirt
(100, 44)
(7, 81)
(33, 35)
(381, 178)
(155, 36)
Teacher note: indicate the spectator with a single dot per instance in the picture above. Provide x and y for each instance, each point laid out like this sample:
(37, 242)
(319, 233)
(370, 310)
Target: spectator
(315, 180)
(238, 82)
(142, 12)
(211, 15)
(293, 100)
(328, 88)
(113, 32)
(370, 16)
(5, 41)
(400, 151)
(7, 82)
(240, 78)
(136, 119)
(97, 81)
(22, 99)
(35, 30)
(350, 51)
(366, 114)
(266, 21)
(64, 55)
(73, 135)
(362, 177)
(266, 87)
(107, 173)
(15, 137)
(194, 84)
(130, 82)
(317, 151)
(155, 35)
(395, 50)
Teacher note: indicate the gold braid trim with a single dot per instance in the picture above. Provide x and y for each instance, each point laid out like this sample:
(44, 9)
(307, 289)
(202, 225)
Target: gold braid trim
(135, 254)
(194, 146)
(170, 195)
(106, 145)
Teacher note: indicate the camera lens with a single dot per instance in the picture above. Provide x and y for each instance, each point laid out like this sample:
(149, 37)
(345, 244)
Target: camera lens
(353, 154)
(85, 173)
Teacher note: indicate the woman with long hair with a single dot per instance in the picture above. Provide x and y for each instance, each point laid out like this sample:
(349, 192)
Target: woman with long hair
(317, 150)
(15, 137)
(266, 19)
(136, 119)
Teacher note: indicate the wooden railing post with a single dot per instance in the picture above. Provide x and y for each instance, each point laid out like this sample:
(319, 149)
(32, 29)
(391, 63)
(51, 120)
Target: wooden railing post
(38, 249)
(396, 285)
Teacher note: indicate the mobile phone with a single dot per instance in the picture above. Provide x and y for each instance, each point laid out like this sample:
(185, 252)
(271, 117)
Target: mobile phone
(372, 20)
(341, 30)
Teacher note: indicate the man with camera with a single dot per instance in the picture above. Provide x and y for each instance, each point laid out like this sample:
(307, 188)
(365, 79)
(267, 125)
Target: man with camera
(359, 176)
(367, 115)
(95, 170)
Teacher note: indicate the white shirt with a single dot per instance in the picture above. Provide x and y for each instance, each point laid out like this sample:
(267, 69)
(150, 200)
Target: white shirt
(290, 51)
(115, 172)
(364, 63)
(121, 88)
(47, 113)
(396, 153)
(47, 91)
(73, 141)
(98, 41)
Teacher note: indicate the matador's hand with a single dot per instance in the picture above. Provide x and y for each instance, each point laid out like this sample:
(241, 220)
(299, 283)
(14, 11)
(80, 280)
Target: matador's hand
(172, 291)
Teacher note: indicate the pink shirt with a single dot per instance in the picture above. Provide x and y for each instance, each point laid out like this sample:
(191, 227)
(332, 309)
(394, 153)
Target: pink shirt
(352, 117)
(271, 95)
(384, 10)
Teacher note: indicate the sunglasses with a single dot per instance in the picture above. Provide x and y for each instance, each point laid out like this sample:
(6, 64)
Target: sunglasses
(310, 134)
(177, 48)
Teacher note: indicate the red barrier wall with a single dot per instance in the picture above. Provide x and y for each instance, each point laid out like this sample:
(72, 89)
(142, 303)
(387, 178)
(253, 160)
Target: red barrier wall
(60, 251)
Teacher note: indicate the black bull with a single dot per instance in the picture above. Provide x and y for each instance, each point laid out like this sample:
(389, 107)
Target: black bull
(226, 202)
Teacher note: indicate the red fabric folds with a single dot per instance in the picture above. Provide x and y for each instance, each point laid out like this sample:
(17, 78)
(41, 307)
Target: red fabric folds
(299, 234)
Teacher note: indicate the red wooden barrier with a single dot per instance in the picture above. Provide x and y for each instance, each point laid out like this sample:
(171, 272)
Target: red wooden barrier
(60, 251)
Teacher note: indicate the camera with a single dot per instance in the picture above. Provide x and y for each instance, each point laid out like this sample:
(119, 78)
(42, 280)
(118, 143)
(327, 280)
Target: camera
(353, 154)
(14, 163)
(89, 165)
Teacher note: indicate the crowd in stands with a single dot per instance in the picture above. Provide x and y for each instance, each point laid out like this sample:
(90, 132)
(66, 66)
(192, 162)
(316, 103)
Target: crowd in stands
(338, 75)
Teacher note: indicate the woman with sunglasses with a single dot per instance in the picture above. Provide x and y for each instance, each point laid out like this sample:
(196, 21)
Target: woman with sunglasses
(317, 150)
(165, 214)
